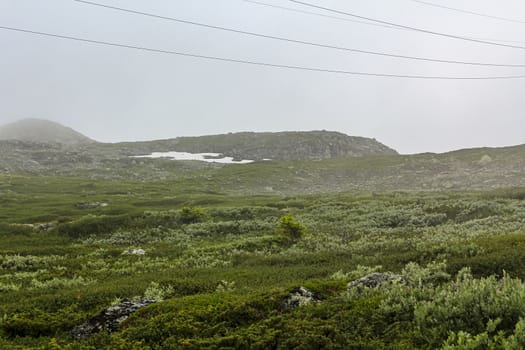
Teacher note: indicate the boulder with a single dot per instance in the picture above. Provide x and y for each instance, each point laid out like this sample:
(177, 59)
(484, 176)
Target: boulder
(300, 297)
(138, 251)
(109, 319)
(91, 205)
(375, 280)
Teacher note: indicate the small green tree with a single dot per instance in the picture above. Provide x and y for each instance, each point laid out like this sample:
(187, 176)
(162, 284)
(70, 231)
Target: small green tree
(291, 228)
(191, 215)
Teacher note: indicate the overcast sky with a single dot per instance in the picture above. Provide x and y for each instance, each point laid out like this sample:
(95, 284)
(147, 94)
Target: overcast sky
(116, 94)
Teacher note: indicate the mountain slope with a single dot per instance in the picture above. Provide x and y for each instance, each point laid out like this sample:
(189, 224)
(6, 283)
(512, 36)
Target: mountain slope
(290, 145)
(472, 169)
(42, 131)
(302, 162)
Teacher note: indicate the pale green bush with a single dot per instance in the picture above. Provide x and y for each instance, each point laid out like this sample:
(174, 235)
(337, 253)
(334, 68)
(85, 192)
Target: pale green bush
(24, 262)
(465, 341)
(56, 283)
(9, 287)
(358, 272)
(224, 286)
(470, 304)
(157, 292)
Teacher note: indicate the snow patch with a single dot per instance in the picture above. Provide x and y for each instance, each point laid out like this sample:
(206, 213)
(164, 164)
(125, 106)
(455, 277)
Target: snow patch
(203, 157)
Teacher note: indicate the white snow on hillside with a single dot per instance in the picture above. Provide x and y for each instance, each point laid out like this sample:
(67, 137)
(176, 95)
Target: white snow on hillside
(203, 157)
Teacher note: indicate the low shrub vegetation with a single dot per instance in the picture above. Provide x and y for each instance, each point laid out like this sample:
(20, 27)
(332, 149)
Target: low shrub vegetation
(223, 271)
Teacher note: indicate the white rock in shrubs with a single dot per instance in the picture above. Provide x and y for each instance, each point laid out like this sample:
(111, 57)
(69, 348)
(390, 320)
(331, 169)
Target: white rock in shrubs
(300, 297)
(375, 280)
(138, 251)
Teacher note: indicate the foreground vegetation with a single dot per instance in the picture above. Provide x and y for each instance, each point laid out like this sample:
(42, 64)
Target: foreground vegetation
(222, 267)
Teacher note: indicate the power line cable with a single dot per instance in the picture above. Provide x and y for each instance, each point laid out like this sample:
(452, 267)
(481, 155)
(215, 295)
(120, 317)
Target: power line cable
(317, 14)
(302, 42)
(258, 63)
(291, 9)
(427, 3)
(451, 36)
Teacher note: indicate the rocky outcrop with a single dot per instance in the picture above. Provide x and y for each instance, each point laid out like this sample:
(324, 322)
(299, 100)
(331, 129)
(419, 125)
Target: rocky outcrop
(109, 319)
(300, 297)
(375, 280)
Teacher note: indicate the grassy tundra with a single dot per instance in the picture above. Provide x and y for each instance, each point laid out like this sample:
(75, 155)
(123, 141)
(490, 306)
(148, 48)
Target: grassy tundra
(222, 266)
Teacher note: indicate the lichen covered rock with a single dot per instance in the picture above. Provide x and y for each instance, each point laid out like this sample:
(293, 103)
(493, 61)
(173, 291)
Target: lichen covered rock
(300, 297)
(375, 280)
(109, 319)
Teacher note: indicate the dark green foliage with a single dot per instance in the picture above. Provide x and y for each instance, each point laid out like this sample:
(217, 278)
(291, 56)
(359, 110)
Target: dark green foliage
(500, 253)
(8, 230)
(93, 225)
(510, 193)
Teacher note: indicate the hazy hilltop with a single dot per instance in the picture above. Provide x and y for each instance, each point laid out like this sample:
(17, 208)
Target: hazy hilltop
(42, 131)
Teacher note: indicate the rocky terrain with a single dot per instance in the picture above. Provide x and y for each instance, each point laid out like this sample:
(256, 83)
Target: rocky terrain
(311, 145)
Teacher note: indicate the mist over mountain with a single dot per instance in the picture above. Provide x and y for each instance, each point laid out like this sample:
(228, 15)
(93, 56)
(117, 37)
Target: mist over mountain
(43, 131)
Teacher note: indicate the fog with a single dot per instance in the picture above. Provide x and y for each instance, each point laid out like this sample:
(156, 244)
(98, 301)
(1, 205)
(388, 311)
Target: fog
(116, 94)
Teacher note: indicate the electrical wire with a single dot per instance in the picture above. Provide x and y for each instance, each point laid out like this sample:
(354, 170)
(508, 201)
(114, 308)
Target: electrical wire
(258, 63)
(451, 36)
(301, 42)
(291, 9)
(469, 12)
(318, 14)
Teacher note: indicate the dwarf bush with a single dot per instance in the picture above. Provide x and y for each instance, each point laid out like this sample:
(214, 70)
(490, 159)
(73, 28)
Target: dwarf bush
(291, 228)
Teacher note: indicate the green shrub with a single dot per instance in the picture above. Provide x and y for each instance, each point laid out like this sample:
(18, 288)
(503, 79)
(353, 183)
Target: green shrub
(471, 305)
(291, 228)
(157, 292)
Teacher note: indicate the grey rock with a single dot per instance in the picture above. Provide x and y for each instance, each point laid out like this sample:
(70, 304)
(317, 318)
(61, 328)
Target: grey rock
(375, 280)
(109, 319)
(91, 205)
(46, 227)
(137, 251)
(300, 297)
